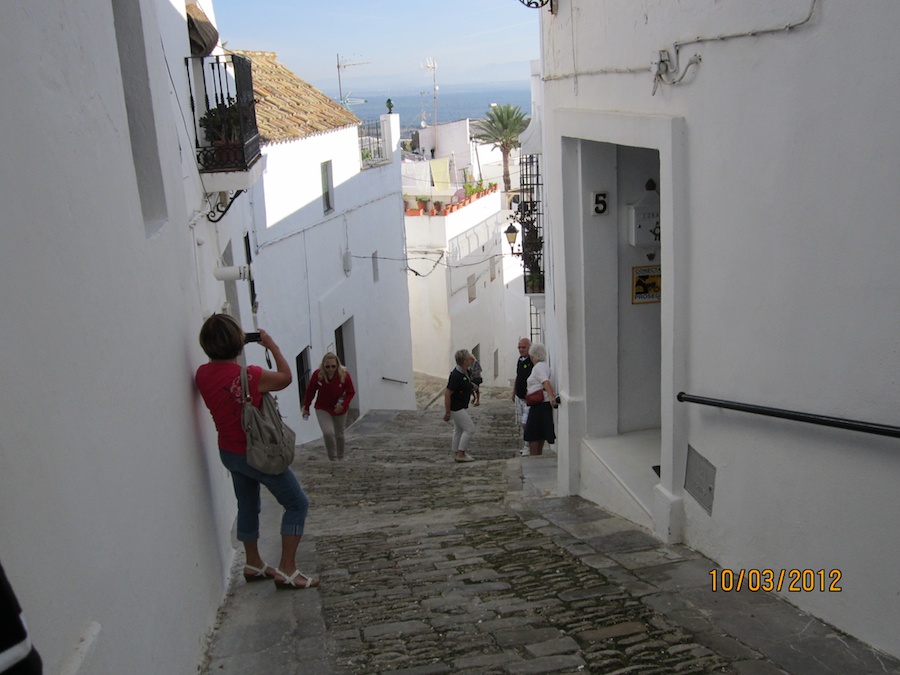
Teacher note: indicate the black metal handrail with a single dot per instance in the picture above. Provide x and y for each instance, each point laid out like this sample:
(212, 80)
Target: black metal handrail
(822, 420)
(391, 379)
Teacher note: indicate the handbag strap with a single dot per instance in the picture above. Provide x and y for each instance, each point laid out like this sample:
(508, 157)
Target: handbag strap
(245, 387)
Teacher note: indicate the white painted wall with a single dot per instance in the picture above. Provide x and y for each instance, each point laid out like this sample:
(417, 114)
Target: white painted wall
(778, 208)
(475, 160)
(305, 292)
(107, 450)
(445, 251)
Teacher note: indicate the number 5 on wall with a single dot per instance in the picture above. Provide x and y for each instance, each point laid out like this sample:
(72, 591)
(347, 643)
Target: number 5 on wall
(600, 203)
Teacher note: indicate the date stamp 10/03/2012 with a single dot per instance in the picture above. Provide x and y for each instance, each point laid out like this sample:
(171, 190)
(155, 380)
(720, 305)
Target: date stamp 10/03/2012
(793, 581)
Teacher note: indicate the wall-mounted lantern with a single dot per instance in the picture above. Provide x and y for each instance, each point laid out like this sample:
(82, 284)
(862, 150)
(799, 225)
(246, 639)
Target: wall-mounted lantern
(537, 4)
(511, 234)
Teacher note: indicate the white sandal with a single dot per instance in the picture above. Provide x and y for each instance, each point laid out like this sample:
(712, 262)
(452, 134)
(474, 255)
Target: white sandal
(258, 574)
(291, 583)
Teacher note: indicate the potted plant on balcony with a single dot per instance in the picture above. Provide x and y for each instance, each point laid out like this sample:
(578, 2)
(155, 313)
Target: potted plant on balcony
(222, 125)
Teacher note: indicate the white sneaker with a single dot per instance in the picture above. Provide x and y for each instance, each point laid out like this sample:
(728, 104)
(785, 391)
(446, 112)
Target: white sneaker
(524, 452)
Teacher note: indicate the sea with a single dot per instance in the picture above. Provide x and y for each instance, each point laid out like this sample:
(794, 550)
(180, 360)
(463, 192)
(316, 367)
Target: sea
(454, 102)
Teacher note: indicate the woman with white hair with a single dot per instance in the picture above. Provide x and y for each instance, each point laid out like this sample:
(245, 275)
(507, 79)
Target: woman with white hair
(456, 402)
(539, 425)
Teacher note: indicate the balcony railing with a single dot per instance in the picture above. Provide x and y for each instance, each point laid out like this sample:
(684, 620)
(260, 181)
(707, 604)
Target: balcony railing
(224, 112)
(371, 144)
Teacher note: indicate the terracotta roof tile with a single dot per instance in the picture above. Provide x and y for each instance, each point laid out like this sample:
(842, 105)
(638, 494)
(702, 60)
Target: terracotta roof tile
(287, 108)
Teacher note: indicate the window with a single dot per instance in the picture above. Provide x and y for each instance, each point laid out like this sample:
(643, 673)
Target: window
(493, 268)
(375, 266)
(141, 122)
(471, 285)
(496, 363)
(327, 188)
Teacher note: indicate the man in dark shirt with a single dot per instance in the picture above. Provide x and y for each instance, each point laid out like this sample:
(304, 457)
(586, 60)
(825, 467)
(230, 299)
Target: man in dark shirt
(523, 370)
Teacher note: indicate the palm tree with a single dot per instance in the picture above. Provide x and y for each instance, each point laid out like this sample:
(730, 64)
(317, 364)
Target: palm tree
(501, 128)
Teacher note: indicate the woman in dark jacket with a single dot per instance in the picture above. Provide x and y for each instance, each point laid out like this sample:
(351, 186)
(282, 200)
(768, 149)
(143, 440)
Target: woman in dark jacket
(456, 402)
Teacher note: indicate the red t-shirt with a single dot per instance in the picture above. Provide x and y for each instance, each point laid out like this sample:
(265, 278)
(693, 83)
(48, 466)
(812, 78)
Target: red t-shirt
(220, 387)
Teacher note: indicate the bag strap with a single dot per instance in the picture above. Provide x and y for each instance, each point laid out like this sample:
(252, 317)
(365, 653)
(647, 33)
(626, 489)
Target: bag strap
(245, 387)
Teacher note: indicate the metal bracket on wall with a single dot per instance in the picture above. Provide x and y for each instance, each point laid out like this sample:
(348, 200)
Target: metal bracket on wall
(218, 212)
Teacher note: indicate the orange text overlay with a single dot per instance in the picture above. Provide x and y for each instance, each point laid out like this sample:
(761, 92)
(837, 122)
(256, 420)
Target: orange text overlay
(794, 581)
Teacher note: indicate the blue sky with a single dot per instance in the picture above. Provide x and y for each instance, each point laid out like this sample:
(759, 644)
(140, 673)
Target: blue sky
(472, 41)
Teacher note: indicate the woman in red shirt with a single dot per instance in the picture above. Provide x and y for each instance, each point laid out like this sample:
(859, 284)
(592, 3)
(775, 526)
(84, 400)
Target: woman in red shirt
(219, 382)
(332, 387)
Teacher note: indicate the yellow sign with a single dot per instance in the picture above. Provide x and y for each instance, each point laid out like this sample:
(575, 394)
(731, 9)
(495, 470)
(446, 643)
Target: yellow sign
(646, 284)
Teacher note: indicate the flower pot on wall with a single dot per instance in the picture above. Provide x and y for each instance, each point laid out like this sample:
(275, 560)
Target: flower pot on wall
(227, 153)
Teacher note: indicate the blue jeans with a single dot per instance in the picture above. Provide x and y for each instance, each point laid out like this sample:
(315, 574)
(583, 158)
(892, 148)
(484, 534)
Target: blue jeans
(284, 487)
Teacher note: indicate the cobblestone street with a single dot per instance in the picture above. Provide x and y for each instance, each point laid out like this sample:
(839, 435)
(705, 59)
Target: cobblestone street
(428, 566)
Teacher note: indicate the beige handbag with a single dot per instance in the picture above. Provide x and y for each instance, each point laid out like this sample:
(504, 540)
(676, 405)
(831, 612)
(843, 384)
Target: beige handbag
(270, 442)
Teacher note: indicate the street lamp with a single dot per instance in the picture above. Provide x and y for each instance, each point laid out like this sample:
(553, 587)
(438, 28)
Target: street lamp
(537, 4)
(511, 233)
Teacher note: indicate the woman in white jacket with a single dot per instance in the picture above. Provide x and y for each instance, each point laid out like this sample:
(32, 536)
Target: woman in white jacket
(539, 425)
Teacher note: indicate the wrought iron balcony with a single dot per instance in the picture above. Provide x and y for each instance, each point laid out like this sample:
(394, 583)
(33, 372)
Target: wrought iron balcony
(224, 113)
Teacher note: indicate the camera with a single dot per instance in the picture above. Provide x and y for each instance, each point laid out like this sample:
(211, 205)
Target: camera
(251, 337)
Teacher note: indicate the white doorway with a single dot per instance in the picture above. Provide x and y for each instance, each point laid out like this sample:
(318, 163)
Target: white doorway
(624, 359)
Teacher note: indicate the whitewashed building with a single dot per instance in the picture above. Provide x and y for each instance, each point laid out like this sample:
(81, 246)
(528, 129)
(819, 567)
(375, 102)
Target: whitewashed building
(325, 231)
(123, 226)
(107, 449)
(467, 158)
(465, 289)
(752, 271)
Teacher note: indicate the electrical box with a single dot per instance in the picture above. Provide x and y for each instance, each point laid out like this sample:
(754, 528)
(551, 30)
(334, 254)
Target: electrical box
(643, 221)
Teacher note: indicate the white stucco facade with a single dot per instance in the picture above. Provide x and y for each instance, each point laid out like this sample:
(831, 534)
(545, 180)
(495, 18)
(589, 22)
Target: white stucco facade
(465, 290)
(468, 158)
(115, 510)
(344, 270)
(777, 202)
